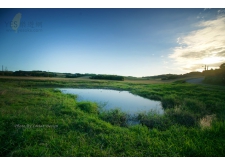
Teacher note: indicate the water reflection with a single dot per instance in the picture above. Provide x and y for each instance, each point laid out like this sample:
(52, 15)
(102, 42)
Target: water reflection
(111, 99)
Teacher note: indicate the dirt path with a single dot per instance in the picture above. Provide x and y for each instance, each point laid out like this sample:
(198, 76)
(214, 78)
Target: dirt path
(208, 86)
(195, 80)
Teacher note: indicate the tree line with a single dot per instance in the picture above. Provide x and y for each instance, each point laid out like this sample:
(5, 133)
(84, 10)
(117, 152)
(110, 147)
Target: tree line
(76, 75)
(28, 73)
(216, 76)
(174, 76)
(108, 77)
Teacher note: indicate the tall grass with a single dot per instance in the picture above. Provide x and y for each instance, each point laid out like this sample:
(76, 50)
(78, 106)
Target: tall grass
(115, 117)
(38, 121)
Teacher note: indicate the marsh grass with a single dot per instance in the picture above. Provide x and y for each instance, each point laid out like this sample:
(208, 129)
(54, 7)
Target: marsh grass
(154, 120)
(181, 117)
(40, 121)
(88, 107)
(115, 117)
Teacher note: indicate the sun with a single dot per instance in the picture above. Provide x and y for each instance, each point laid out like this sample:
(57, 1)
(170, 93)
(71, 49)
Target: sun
(211, 60)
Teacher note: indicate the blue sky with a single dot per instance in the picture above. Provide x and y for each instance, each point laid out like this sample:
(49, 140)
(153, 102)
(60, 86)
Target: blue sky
(129, 42)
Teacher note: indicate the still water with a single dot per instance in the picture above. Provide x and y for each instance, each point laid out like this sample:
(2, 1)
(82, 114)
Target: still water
(111, 99)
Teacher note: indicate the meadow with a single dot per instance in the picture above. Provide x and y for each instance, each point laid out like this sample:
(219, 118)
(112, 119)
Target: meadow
(38, 120)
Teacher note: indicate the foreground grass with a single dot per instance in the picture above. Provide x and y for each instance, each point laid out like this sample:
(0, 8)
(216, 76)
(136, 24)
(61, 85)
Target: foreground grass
(40, 121)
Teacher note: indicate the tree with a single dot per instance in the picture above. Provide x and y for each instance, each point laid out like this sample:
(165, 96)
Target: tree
(222, 66)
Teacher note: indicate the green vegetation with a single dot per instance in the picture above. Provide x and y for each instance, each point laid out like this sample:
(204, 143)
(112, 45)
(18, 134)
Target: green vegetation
(39, 73)
(28, 73)
(174, 76)
(38, 120)
(115, 117)
(107, 77)
(216, 76)
(74, 75)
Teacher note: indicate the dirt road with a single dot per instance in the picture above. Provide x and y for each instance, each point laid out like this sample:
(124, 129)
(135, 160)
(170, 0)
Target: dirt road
(195, 80)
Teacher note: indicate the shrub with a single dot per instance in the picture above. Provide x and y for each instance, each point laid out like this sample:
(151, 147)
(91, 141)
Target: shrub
(179, 82)
(115, 117)
(88, 107)
(181, 117)
(153, 120)
(195, 106)
(169, 101)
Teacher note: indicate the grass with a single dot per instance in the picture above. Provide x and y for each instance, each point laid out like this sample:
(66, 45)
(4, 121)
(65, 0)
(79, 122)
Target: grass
(37, 120)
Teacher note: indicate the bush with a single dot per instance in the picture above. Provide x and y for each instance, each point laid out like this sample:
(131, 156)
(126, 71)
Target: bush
(115, 117)
(88, 107)
(181, 117)
(179, 82)
(195, 106)
(170, 101)
(153, 120)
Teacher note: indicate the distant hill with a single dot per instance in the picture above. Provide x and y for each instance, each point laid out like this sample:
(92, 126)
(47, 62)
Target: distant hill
(39, 73)
(174, 76)
(28, 73)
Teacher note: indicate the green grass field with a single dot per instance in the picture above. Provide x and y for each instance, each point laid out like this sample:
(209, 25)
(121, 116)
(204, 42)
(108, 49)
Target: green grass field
(38, 120)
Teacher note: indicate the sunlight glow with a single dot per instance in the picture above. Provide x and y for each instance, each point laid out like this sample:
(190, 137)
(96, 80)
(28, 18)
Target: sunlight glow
(203, 46)
(211, 60)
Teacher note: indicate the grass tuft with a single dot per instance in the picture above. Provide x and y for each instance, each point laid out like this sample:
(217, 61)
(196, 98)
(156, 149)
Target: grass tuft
(115, 117)
(206, 122)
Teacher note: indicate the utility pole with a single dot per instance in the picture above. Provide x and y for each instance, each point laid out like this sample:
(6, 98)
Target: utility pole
(206, 67)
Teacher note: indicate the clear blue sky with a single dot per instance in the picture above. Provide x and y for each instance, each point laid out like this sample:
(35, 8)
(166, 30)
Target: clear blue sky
(129, 42)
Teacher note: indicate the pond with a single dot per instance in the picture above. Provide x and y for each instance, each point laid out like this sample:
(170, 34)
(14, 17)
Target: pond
(111, 99)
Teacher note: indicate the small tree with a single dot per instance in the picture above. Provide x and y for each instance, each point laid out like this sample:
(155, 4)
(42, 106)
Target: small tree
(222, 66)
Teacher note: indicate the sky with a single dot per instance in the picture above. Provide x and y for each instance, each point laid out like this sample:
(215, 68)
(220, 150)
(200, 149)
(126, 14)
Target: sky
(129, 42)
